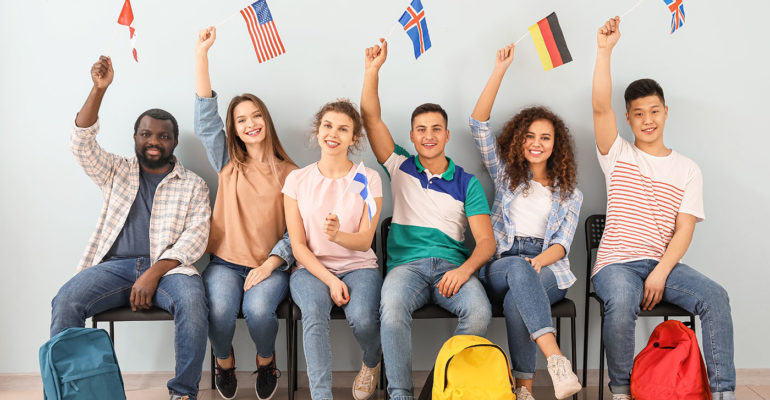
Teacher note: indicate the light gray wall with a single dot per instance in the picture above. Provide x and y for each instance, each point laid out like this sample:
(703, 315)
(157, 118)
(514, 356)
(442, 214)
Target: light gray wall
(713, 71)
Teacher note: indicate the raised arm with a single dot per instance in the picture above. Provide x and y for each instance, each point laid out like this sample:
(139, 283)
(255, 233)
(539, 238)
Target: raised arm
(483, 107)
(605, 126)
(206, 38)
(101, 75)
(376, 130)
(359, 241)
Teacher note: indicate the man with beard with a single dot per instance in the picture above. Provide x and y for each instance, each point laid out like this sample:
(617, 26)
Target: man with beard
(154, 224)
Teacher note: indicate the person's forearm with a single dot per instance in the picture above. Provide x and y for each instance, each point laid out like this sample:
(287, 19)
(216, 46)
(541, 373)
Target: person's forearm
(676, 249)
(89, 113)
(359, 241)
(553, 253)
(482, 253)
(602, 83)
(487, 98)
(202, 77)
(161, 267)
(306, 257)
(370, 98)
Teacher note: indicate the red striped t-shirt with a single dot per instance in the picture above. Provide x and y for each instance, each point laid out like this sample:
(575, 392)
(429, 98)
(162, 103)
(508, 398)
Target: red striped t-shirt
(644, 195)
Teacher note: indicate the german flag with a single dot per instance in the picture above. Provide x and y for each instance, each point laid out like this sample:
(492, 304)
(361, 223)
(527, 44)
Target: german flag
(549, 41)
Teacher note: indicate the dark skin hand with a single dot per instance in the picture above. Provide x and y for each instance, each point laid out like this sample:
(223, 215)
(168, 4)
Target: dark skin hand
(144, 288)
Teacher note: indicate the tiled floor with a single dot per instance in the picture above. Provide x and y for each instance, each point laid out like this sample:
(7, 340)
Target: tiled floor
(152, 387)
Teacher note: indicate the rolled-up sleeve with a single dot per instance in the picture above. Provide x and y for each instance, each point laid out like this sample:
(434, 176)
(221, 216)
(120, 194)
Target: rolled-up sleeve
(191, 244)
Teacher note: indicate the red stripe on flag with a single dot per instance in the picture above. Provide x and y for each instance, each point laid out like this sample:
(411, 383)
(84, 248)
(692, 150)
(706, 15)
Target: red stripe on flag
(244, 13)
(550, 43)
(263, 51)
(277, 37)
(264, 30)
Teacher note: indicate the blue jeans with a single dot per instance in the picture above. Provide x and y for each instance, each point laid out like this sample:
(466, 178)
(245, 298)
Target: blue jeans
(108, 285)
(527, 297)
(621, 287)
(408, 287)
(224, 289)
(313, 298)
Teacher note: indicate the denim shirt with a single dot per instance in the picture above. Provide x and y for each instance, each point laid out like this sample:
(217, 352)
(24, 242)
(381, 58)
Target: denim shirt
(562, 221)
(209, 128)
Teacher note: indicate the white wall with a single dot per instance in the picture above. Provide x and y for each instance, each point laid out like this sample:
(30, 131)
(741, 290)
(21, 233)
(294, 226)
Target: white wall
(713, 71)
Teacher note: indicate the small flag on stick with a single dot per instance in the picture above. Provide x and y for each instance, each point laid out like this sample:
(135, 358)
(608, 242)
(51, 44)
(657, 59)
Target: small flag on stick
(264, 35)
(127, 18)
(413, 21)
(360, 186)
(677, 13)
(550, 43)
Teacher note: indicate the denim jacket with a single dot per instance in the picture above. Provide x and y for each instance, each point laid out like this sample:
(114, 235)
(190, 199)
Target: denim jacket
(562, 221)
(210, 129)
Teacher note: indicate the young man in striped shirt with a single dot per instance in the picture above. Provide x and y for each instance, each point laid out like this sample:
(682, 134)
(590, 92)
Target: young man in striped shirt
(654, 199)
(432, 200)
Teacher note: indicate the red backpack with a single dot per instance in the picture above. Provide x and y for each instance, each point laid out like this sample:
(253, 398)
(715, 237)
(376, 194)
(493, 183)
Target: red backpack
(670, 367)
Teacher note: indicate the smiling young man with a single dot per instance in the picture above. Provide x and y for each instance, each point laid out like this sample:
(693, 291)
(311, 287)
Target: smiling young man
(154, 224)
(427, 261)
(654, 199)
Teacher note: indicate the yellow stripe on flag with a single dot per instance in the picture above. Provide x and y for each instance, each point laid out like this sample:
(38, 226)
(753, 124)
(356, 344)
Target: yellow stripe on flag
(542, 51)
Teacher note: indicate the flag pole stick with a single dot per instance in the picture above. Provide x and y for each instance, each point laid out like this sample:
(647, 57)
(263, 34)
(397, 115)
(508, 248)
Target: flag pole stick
(521, 38)
(393, 28)
(112, 40)
(632, 8)
(226, 20)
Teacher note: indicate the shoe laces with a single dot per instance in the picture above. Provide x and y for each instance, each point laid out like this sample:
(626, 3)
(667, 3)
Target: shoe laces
(227, 375)
(522, 393)
(559, 367)
(365, 379)
(267, 374)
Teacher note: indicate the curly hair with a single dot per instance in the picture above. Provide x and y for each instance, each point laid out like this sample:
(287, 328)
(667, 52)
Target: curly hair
(346, 107)
(560, 167)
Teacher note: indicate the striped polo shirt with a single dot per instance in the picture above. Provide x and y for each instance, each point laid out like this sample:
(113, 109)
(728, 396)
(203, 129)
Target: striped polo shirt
(430, 212)
(645, 194)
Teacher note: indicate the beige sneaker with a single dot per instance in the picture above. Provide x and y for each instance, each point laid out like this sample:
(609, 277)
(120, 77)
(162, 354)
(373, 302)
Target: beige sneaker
(565, 382)
(366, 382)
(621, 396)
(523, 394)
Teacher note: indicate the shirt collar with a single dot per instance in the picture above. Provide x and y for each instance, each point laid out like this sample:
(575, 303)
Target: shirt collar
(448, 175)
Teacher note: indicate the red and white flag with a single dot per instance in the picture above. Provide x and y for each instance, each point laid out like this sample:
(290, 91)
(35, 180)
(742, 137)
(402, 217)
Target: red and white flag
(127, 18)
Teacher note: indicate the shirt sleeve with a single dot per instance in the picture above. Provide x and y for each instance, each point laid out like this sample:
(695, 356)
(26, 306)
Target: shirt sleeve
(191, 244)
(375, 183)
(475, 199)
(566, 231)
(692, 200)
(607, 161)
(290, 185)
(210, 130)
(283, 249)
(99, 164)
(487, 144)
(395, 160)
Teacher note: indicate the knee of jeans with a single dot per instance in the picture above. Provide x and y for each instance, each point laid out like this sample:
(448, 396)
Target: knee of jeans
(478, 318)
(192, 306)
(364, 321)
(394, 311)
(715, 296)
(621, 304)
(261, 313)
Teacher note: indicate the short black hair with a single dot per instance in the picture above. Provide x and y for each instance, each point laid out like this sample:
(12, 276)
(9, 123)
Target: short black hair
(428, 108)
(643, 88)
(157, 113)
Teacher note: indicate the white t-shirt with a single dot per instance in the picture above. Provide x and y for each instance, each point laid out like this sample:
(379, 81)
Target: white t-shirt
(644, 195)
(531, 211)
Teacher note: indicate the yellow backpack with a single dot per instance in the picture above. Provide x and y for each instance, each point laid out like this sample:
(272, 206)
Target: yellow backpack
(470, 367)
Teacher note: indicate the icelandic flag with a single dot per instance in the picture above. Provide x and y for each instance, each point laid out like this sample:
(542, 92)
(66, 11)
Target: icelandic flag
(360, 186)
(413, 21)
(677, 13)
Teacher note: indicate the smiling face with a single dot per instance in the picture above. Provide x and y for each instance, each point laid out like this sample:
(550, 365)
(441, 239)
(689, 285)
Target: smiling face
(538, 142)
(429, 134)
(647, 117)
(154, 144)
(249, 123)
(335, 133)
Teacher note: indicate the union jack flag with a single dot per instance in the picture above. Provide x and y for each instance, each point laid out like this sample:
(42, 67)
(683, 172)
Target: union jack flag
(413, 21)
(264, 36)
(677, 13)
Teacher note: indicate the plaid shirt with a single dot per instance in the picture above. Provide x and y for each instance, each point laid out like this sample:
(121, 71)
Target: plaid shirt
(562, 221)
(180, 217)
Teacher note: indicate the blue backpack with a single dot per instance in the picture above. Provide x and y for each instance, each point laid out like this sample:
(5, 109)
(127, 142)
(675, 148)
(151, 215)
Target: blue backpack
(80, 364)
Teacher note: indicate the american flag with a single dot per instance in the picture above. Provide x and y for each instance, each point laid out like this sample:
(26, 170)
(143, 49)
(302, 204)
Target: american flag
(264, 35)
(413, 21)
(126, 18)
(677, 13)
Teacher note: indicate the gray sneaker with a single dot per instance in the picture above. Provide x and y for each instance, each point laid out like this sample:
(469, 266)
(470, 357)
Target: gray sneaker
(565, 382)
(179, 397)
(523, 394)
(621, 396)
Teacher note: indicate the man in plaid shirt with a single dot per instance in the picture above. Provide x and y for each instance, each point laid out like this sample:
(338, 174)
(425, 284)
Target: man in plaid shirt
(154, 224)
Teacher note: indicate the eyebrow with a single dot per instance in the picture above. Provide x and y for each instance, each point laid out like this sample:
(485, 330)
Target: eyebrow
(340, 125)
(544, 133)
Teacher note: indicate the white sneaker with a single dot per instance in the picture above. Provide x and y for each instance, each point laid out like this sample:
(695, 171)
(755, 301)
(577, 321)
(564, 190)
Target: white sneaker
(523, 394)
(366, 382)
(565, 382)
(621, 396)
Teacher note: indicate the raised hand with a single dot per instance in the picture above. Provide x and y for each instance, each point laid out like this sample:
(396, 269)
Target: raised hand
(376, 55)
(206, 38)
(102, 73)
(504, 57)
(609, 33)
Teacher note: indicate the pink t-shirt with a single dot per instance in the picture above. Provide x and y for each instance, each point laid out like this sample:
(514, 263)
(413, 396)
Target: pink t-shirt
(316, 197)
(644, 195)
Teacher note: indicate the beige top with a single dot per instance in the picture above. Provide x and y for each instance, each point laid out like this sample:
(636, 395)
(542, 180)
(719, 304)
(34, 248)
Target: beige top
(248, 218)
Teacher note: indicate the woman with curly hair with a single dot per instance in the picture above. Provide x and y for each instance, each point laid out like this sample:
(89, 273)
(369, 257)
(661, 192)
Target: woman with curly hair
(534, 217)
